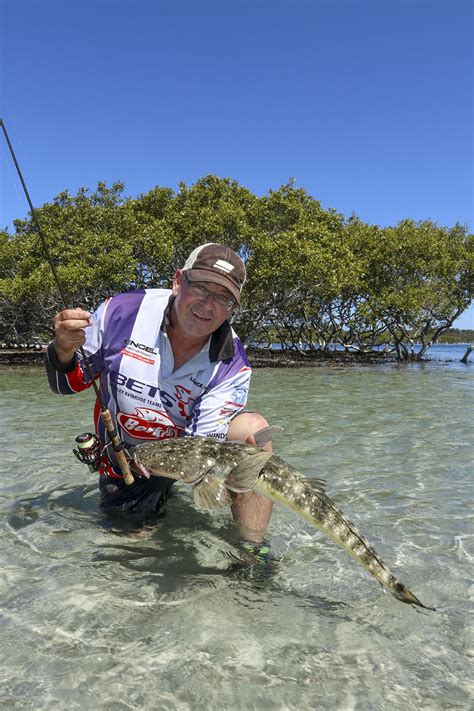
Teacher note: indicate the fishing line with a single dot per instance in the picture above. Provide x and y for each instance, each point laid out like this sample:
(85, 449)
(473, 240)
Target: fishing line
(104, 412)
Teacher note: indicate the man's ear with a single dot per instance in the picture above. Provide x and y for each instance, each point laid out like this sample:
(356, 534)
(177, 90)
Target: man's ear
(177, 281)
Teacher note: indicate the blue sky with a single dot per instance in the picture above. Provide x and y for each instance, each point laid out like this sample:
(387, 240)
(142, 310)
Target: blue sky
(366, 104)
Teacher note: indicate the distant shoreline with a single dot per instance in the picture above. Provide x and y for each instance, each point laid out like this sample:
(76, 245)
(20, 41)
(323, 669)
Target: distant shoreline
(268, 358)
(258, 357)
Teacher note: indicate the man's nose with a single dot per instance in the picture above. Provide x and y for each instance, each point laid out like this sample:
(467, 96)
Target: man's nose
(206, 297)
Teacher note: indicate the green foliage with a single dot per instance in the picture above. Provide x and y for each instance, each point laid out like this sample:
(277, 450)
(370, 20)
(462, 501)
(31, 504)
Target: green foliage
(457, 335)
(314, 277)
(418, 281)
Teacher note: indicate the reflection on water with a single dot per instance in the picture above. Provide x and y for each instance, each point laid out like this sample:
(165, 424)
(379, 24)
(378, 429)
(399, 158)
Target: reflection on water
(98, 614)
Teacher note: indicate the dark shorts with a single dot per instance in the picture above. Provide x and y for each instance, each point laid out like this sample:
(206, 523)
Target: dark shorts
(144, 496)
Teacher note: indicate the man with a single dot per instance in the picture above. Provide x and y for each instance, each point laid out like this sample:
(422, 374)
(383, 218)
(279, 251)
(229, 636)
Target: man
(170, 365)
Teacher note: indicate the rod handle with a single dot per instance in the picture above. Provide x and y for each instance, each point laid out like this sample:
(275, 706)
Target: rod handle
(118, 446)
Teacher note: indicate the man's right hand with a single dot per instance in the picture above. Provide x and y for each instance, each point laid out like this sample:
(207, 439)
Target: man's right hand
(69, 328)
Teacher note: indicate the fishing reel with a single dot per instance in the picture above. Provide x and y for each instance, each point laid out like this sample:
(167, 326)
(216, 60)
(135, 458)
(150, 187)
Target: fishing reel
(88, 450)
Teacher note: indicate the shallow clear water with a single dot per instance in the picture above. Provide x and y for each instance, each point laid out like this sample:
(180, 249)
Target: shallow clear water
(93, 616)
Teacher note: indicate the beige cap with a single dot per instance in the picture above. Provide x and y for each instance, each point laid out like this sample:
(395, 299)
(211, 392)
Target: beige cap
(218, 264)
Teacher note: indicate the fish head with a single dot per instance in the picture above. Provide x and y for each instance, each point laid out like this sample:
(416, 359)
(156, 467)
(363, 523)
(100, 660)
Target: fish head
(185, 459)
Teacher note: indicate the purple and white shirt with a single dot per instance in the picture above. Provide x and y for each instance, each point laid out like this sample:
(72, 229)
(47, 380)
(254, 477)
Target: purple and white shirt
(128, 348)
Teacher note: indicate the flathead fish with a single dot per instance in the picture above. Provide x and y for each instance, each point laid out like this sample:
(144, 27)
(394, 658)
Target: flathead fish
(215, 468)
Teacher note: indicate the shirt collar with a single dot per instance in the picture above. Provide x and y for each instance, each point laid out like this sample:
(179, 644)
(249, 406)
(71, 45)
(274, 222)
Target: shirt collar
(221, 345)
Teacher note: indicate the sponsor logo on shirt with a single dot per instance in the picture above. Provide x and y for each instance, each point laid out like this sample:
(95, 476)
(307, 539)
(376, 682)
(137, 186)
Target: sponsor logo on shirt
(139, 351)
(134, 345)
(229, 410)
(146, 423)
(231, 407)
(185, 402)
(238, 397)
(137, 356)
(150, 394)
(195, 382)
(133, 385)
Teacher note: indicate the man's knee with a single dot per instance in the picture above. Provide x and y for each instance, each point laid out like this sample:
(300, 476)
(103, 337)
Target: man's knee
(245, 425)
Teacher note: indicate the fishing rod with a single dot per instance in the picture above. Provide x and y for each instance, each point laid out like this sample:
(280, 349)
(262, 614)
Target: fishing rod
(104, 412)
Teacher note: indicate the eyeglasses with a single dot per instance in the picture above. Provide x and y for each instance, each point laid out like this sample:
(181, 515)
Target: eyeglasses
(200, 290)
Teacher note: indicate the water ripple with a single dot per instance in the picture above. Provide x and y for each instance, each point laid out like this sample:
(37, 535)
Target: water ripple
(99, 615)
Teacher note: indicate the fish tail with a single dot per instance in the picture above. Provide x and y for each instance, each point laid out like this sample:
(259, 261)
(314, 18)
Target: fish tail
(403, 594)
(283, 484)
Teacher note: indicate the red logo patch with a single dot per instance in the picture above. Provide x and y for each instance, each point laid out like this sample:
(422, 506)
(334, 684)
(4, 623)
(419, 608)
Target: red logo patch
(148, 424)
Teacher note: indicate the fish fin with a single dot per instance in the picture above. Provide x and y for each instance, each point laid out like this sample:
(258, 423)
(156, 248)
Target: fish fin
(210, 493)
(265, 434)
(315, 483)
(245, 474)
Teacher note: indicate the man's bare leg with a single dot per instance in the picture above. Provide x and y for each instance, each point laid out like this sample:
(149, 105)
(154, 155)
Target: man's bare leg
(250, 510)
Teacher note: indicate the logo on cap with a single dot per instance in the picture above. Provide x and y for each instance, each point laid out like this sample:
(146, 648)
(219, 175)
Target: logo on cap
(225, 266)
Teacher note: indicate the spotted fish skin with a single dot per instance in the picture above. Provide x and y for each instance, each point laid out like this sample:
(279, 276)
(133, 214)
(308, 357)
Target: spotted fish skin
(242, 467)
(280, 482)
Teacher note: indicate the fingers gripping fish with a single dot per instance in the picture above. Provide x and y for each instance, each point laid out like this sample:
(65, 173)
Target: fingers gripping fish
(214, 468)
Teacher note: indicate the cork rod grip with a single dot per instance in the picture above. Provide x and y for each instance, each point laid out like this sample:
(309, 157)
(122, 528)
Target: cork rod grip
(117, 445)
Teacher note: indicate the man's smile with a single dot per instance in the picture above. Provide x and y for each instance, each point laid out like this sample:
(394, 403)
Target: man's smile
(200, 317)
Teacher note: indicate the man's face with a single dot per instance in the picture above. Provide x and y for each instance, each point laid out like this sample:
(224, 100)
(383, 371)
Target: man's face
(195, 313)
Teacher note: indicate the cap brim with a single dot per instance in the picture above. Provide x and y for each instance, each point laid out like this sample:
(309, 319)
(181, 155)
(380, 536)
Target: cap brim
(213, 278)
